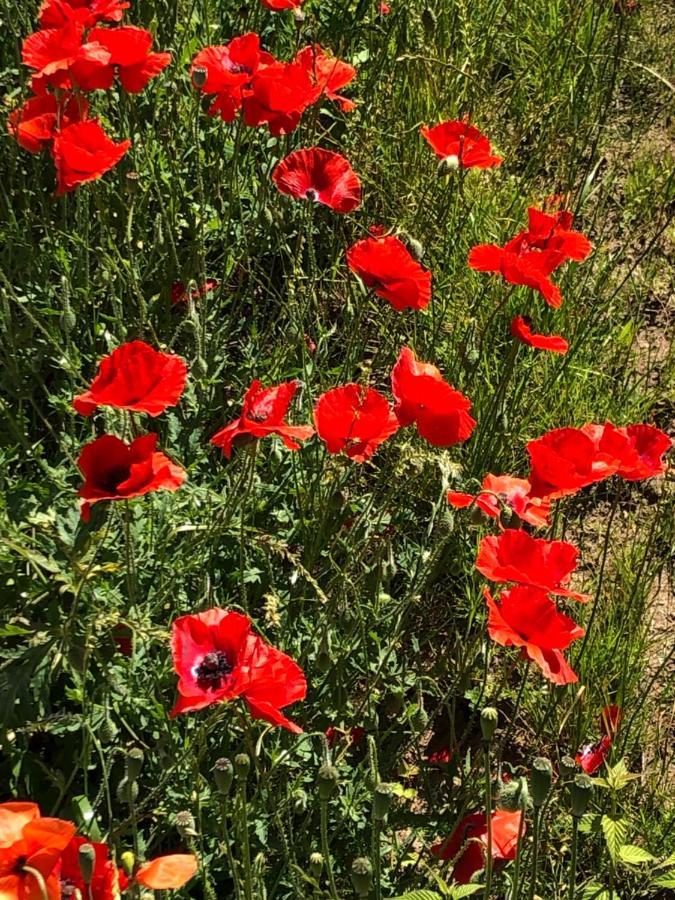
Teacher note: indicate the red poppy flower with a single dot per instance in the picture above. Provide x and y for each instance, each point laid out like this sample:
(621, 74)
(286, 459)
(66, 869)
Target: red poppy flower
(526, 617)
(441, 757)
(263, 413)
(552, 231)
(610, 720)
(440, 413)
(278, 95)
(106, 880)
(135, 377)
(386, 265)
(521, 329)
(385, 9)
(592, 756)
(34, 124)
(564, 460)
(505, 490)
(55, 52)
(463, 144)
(354, 735)
(130, 55)
(218, 658)
(180, 293)
(642, 455)
(229, 68)
(328, 74)
(278, 5)
(167, 873)
(83, 152)
(114, 470)
(57, 13)
(467, 844)
(319, 175)
(518, 557)
(30, 841)
(529, 268)
(354, 420)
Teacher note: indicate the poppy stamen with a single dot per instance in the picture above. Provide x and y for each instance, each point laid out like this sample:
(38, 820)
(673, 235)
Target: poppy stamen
(213, 670)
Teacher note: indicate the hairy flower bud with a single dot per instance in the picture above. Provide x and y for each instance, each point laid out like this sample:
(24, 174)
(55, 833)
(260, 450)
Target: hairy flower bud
(489, 718)
(327, 780)
(134, 763)
(223, 771)
(127, 862)
(86, 856)
(242, 766)
(299, 801)
(514, 794)
(127, 791)
(362, 876)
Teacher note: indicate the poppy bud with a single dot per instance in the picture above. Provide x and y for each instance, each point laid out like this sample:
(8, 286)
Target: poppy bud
(327, 780)
(414, 246)
(201, 366)
(382, 800)
(447, 165)
(540, 780)
(134, 763)
(242, 766)
(199, 76)
(568, 768)
(315, 864)
(489, 718)
(419, 718)
(67, 320)
(107, 732)
(514, 794)
(509, 518)
(223, 770)
(86, 857)
(300, 801)
(580, 795)
(128, 861)
(127, 791)
(362, 876)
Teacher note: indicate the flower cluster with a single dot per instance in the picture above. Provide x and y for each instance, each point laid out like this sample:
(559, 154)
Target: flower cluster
(80, 47)
(240, 77)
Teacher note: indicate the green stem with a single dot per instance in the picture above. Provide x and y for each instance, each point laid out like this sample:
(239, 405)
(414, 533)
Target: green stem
(535, 851)
(228, 850)
(245, 845)
(488, 817)
(515, 886)
(573, 858)
(375, 853)
(326, 850)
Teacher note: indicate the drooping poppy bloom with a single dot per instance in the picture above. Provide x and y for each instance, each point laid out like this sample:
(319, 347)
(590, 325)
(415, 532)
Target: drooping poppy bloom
(136, 377)
(130, 55)
(499, 491)
(263, 413)
(180, 293)
(526, 617)
(461, 144)
(354, 420)
(34, 124)
(467, 845)
(521, 329)
(278, 95)
(55, 52)
(167, 873)
(115, 470)
(83, 152)
(422, 397)
(106, 881)
(217, 658)
(518, 557)
(278, 5)
(30, 843)
(386, 266)
(57, 13)
(328, 73)
(592, 756)
(319, 175)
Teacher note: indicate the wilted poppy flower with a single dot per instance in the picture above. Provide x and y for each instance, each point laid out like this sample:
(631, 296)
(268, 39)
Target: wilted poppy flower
(422, 397)
(278, 5)
(218, 658)
(521, 329)
(278, 95)
(180, 293)
(57, 13)
(526, 617)
(505, 490)
(610, 720)
(114, 470)
(166, 873)
(354, 420)
(34, 124)
(136, 377)
(328, 73)
(592, 756)
(387, 266)
(83, 152)
(467, 844)
(516, 556)
(28, 842)
(263, 413)
(130, 55)
(106, 881)
(461, 144)
(319, 175)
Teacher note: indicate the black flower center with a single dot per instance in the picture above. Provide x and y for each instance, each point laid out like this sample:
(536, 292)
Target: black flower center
(311, 194)
(213, 670)
(113, 478)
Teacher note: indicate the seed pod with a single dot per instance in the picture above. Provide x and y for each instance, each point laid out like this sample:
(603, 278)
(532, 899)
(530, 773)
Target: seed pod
(568, 768)
(541, 779)
(315, 865)
(86, 857)
(489, 718)
(383, 797)
(185, 823)
(134, 763)
(242, 766)
(447, 165)
(581, 790)
(362, 876)
(199, 76)
(223, 771)
(327, 781)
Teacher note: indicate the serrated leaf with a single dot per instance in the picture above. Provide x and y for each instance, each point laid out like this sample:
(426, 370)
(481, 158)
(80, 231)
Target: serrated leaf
(594, 891)
(668, 861)
(465, 890)
(665, 881)
(419, 895)
(616, 832)
(634, 855)
(618, 776)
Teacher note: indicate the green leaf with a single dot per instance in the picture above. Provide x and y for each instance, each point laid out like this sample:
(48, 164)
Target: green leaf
(618, 776)
(419, 895)
(634, 855)
(665, 881)
(465, 890)
(594, 891)
(616, 832)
